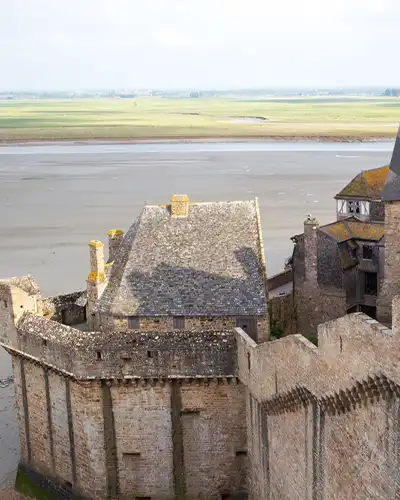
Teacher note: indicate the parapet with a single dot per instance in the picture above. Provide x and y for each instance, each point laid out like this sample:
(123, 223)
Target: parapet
(119, 355)
(351, 350)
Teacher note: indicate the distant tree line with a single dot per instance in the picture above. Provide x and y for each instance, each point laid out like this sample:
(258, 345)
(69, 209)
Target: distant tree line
(392, 92)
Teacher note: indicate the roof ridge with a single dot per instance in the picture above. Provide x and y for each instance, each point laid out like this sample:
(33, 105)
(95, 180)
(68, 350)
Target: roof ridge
(261, 248)
(337, 221)
(375, 168)
(346, 225)
(194, 203)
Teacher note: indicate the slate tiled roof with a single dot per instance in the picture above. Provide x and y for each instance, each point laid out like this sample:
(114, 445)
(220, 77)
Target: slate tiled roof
(208, 263)
(352, 228)
(367, 185)
(391, 191)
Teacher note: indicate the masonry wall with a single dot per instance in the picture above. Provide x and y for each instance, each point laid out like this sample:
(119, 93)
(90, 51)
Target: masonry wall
(377, 211)
(64, 309)
(60, 439)
(318, 294)
(361, 449)
(161, 439)
(21, 408)
(61, 428)
(282, 314)
(88, 439)
(39, 433)
(323, 422)
(315, 306)
(142, 417)
(214, 439)
(391, 274)
(194, 324)
(329, 265)
(14, 302)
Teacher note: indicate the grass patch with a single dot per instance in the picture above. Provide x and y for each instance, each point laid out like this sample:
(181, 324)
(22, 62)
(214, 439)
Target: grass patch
(26, 486)
(157, 118)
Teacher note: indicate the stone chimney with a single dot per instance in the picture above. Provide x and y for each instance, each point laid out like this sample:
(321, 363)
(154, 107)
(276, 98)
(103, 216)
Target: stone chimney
(115, 237)
(310, 250)
(180, 205)
(96, 281)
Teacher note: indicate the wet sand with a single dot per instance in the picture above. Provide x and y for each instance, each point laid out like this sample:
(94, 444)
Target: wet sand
(54, 202)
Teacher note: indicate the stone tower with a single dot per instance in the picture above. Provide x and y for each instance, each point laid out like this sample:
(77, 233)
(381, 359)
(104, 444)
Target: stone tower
(390, 285)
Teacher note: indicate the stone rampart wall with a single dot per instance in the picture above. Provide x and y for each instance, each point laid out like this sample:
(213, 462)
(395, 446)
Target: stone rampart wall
(127, 355)
(323, 422)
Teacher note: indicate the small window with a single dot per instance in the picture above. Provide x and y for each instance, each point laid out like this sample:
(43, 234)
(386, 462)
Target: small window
(179, 322)
(134, 322)
(99, 356)
(194, 413)
(241, 453)
(152, 354)
(5, 304)
(367, 252)
(44, 342)
(354, 207)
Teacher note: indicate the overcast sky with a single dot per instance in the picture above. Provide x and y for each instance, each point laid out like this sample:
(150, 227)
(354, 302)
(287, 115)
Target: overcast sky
(98, 44)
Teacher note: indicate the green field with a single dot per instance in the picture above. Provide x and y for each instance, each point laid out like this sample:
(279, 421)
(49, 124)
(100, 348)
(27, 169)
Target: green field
(158, 118)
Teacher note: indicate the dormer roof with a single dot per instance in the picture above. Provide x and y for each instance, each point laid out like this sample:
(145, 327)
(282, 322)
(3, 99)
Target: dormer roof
(367, 185)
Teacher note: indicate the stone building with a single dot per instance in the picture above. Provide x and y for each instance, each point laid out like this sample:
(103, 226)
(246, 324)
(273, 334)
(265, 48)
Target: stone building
(339, 268)
(183, 266)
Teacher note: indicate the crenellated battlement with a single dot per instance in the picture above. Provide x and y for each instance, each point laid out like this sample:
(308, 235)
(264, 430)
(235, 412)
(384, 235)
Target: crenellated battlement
(121, 355)
(352, 348)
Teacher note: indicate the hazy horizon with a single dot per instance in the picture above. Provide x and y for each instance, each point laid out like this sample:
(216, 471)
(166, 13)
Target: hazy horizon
(212, 44)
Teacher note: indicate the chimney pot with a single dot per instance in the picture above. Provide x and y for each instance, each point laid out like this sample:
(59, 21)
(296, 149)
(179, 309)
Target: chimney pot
(179, 205)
